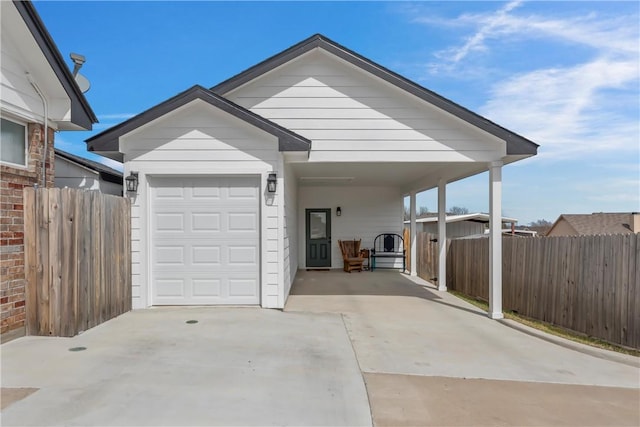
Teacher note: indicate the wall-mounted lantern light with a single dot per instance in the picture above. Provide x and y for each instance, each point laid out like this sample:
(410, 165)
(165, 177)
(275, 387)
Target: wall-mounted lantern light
(338, 211)
(132, 182)
(272, 180)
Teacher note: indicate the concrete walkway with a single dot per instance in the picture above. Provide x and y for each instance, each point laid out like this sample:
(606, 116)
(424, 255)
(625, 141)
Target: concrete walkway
(430, 358)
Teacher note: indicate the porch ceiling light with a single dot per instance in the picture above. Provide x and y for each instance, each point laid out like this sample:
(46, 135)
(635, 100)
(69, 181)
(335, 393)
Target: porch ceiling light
(272, 181)
(132, 182)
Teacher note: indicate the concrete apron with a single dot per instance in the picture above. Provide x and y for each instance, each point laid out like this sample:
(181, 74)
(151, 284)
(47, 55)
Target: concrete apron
(427, 355)
(236, 366)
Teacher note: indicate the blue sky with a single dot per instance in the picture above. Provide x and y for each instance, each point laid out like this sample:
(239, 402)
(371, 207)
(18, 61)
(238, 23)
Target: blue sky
(563, 74)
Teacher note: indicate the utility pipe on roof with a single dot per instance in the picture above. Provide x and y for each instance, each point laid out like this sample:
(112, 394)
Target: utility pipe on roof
(46, 129)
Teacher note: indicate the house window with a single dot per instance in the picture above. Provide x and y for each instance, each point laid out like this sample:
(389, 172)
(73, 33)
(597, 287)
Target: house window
(13, 143)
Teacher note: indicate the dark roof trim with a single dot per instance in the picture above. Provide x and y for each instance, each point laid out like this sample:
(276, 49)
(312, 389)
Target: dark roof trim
(516, 144)
(81, 113)
(106, 173)
(108, 139)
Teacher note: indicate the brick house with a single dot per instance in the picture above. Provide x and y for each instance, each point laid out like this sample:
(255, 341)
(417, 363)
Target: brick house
(38, 92)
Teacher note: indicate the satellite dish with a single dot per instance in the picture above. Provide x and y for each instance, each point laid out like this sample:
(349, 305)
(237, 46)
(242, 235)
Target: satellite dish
(83, 83)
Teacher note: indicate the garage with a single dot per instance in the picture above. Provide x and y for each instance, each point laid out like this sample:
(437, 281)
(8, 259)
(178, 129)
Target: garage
(205, 240)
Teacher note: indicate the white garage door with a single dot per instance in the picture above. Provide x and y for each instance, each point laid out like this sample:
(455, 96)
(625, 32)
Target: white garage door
(205, 241)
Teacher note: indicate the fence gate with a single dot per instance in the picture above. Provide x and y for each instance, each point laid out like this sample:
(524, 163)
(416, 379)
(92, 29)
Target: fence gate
(77, 259)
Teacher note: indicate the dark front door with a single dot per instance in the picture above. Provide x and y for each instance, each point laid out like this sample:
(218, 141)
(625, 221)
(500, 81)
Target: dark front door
(318, 226)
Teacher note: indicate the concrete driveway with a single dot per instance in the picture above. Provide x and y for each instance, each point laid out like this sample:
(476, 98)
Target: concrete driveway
(429, 358)
(236, 366)
(350, 349)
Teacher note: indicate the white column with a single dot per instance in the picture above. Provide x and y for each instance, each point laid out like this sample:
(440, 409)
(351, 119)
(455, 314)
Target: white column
(442, 235)
(413, 233)
(495, 240)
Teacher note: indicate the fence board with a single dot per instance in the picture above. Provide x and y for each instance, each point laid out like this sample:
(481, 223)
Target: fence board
(31, 264)
(43, 264)
(68, 257)
(77, 259)
(589, 284)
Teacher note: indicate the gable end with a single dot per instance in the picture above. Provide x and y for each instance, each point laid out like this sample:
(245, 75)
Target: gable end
(108, 141)
(516, 144)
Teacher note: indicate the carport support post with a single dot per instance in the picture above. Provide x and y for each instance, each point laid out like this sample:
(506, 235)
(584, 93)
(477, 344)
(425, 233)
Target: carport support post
(495, 240)
(442, 235)
(413, 233)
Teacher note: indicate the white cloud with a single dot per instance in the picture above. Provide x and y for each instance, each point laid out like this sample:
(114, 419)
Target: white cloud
(490, 26)
(571, 109)
(568, 110)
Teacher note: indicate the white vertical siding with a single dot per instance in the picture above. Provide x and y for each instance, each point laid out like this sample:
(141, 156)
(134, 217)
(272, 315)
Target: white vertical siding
(366, 212)
(347, 111)
(198, 139)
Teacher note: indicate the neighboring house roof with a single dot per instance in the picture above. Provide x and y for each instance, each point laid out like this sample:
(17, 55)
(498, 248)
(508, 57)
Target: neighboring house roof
(106, 173)
(516, 144)
(474, 217)
(599, 223)
(107, 141)
(81, 113)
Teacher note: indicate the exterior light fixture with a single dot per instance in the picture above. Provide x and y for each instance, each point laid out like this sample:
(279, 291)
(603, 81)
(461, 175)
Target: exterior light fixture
(132, 182)
(272, 180)
(338, 211)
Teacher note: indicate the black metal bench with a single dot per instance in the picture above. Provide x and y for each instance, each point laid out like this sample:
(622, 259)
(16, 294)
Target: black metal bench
(388, 246)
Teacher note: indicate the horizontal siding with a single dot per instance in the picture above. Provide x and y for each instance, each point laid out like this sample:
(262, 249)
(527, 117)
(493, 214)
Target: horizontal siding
(366, 212)
(176, 155)
(343, 109)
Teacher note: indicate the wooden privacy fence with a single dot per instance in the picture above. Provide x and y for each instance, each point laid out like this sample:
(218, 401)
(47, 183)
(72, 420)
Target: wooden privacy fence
(589, 284)
(77, 259)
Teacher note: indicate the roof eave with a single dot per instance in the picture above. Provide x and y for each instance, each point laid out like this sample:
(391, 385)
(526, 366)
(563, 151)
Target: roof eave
(81, 113)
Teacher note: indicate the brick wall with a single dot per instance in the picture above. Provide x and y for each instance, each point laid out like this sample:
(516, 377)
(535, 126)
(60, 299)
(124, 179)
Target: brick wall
(12, 277)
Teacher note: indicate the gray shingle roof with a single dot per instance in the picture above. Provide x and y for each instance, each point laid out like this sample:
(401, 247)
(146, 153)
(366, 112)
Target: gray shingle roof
(600, 223)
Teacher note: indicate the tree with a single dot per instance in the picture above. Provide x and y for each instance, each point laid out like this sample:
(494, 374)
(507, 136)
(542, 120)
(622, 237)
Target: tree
(457, 210)
(421, 211)
(541, 223)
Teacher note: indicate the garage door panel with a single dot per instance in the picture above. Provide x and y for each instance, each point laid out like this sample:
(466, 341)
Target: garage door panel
(169, 222)
(169, 193)
(170, 287)
(242, 255)
(207, 288)
(205, 222)
(242, 287)
(242, 193)
(242, 222)
(169, 255)
(206, 255)
(206, 193)
(205, 238)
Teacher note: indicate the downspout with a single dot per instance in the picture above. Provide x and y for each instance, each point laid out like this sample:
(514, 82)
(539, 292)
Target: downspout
(46, 129)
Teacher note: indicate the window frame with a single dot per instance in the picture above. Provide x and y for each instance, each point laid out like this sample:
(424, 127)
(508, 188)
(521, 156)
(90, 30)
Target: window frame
(26, 144)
